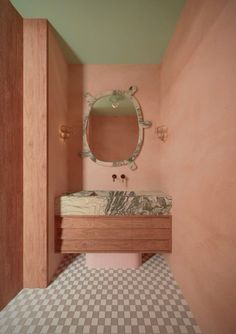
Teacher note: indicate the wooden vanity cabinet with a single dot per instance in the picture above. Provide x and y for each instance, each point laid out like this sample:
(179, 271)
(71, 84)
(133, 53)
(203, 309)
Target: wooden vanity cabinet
(149, 234)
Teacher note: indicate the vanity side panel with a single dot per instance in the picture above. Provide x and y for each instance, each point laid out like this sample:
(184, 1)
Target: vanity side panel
(35, 153)
(11, 152)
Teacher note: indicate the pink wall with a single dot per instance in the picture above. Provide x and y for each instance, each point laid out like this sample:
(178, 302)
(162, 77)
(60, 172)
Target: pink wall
(198, 162)
(113, 137)
(99, 78)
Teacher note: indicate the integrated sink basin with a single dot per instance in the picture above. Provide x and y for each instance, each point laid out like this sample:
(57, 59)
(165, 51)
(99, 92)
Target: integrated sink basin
(113, 203)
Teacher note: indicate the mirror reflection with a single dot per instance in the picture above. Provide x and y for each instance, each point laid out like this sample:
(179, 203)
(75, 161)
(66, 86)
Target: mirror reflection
(113, 129)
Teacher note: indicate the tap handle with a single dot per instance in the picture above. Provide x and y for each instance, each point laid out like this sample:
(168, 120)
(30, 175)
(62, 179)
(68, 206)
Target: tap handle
(114, 177)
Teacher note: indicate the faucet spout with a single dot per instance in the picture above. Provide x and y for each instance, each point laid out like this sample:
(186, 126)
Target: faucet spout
(114, 177)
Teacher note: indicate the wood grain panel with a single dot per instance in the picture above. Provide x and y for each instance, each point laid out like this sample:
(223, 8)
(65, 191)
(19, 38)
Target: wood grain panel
(120, 234)
(77, 246)
(35, 157)
(75, 118)
(113, 233)
(112, 221)
(45, 171)
(11, 152)
(57, 149)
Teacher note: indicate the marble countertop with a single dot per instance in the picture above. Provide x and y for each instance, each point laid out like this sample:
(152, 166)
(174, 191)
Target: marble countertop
(103, 202)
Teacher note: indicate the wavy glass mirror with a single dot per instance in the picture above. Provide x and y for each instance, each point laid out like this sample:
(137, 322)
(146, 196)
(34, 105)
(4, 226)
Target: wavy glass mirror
(113, 128)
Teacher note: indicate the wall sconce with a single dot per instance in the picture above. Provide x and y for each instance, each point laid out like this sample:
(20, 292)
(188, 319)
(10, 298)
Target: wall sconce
(162, 133)
(65, 132)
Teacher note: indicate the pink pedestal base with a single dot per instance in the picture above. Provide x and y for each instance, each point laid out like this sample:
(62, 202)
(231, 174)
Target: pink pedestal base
(113, 260)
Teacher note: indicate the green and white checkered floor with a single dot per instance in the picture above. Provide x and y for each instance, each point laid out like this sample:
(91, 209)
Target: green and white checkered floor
(146, 300)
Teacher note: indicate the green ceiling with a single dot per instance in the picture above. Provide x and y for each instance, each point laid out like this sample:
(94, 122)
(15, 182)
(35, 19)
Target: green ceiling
(108, 31)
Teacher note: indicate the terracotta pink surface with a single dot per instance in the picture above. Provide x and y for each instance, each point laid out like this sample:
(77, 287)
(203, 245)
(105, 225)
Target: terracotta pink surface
(74, 119)
(100, 78)
(198, 161)
(11, 152)
(112, 138)
(57, 149)
(113, 260)
(35, 153)
(48, 161)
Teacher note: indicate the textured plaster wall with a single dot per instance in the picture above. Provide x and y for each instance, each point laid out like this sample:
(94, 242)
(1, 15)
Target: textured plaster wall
(198, 162)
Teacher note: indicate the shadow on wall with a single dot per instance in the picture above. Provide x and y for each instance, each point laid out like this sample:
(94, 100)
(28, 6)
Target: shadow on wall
(75, 119)
(69, 54)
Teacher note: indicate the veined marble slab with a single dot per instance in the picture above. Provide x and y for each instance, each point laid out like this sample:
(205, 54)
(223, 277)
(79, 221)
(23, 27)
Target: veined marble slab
(113, 203)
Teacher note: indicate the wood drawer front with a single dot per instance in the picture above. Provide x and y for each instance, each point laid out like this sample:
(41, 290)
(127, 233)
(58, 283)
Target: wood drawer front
(112, 222)
(76, 246)
(150, 234)
(108, 234)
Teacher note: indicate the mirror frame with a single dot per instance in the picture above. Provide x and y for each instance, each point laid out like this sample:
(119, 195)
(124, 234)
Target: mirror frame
(87, 153)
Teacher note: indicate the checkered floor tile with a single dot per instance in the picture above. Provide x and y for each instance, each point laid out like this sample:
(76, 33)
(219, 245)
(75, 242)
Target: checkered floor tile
(146, 300)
